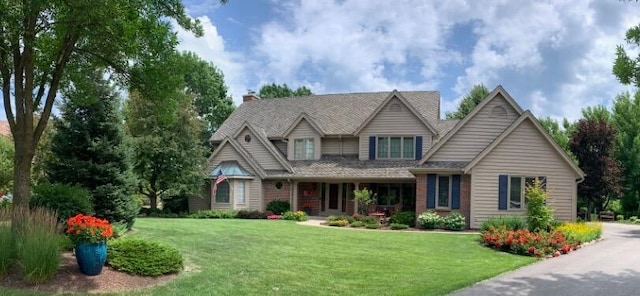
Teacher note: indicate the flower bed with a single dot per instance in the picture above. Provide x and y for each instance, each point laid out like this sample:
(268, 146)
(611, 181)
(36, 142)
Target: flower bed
(564, 239)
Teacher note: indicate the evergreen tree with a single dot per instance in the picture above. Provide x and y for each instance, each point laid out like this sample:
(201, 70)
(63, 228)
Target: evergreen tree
(88, 148)
(272, 91)
(626, 118)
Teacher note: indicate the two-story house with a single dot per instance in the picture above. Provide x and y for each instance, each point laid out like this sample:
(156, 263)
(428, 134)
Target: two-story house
(315, 150)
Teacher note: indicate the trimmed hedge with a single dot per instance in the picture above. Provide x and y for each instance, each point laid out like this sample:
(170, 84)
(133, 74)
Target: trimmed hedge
(140, 257)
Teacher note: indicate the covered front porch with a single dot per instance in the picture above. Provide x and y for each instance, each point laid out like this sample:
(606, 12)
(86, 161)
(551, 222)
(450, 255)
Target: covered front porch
(335, 197)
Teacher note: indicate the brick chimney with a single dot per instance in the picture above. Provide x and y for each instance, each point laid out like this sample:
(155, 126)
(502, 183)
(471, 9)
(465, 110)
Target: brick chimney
(250, 96)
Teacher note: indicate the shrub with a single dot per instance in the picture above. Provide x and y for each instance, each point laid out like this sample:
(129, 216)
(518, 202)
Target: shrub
(66, 200)
(369, 220)
(357, 224)
(408, 218)
(581, 232)
(176, 204)
(295, 216)
(454, 221)
(213, 214)
(398, 226)
(140, 257)
(363, 197)
(65, 243)
(373, 226)
(509, 222)
(6, 201)
(338, 223)
(620, 217)
(633, 219)
(429, 220)
(244, 214)
(341, 217)
(356, 217)
(539, 216)
(38, 247)
(278, 206)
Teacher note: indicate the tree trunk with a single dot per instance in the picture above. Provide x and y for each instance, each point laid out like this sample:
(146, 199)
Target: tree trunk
(153, 201)
(21, 184)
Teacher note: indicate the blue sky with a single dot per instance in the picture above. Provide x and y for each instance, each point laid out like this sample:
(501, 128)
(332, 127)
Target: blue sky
(553, 57)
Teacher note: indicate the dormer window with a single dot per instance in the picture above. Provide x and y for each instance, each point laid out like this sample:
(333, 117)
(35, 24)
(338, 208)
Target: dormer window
(303, 149)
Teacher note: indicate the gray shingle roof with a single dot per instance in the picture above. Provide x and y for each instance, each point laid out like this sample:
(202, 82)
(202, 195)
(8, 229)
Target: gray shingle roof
(335, 114)
(350, 167)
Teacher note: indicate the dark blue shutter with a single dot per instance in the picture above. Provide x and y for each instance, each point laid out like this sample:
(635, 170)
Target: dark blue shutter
(418, 147)
(455, 192)
(431, 191)
(502, 191)
(372, 147)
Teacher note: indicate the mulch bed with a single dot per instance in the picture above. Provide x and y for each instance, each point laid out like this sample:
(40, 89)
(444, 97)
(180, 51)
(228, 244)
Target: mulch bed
(69, 279)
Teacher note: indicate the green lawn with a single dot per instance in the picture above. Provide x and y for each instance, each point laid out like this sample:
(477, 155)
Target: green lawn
(261, 257)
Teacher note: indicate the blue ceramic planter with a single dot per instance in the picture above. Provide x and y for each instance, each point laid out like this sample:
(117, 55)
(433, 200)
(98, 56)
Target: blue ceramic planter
(91, 257)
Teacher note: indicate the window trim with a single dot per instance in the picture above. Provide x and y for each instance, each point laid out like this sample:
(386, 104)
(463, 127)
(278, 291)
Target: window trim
(402, 138)
(523, 186)
(304, 151)
(437, 197)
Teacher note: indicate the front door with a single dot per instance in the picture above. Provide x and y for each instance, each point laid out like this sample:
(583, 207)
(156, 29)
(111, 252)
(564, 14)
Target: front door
(333, 198)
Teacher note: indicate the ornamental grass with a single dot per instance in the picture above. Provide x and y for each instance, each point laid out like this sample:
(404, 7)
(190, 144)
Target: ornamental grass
(38, 248)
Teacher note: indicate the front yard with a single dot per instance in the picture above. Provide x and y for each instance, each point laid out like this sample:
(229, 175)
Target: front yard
(260, 257)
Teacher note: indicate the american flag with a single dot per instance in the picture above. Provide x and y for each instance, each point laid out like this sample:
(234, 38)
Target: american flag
(221, 178)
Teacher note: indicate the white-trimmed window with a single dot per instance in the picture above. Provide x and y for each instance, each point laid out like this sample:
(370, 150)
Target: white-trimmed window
(396, 147)
(222, 193)
(303, 149)
(443, 191)
(517, 185)
(240, 192)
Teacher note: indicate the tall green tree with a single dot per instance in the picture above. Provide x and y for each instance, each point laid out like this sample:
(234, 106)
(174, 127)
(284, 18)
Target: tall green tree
(477, 93)
(626, 119)
(592, 144)
(598, 112)
(88, 147)
(272, 91)
(561, 134)
(39, 39)
(168, 156)
(205, 83)
(626, 68)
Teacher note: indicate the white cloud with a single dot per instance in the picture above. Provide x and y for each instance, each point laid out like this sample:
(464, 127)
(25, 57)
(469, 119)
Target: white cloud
(211, 47)
(555, 57)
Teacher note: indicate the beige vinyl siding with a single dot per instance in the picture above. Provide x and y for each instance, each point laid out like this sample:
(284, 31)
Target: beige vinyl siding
(254, 186)
(304, 130)
(258, 151)
(525, 152)
(281, 145)
(477, 133)
(389, 123)
(339, 146)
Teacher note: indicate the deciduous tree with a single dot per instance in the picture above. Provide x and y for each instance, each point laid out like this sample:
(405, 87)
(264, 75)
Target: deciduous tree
(626, 119)
(271, 91)
(592, 144)
(477, 93)
(40, 38)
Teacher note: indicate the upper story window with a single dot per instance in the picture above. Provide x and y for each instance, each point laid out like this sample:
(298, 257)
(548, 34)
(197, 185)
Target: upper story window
(396, 147)
(303, 149)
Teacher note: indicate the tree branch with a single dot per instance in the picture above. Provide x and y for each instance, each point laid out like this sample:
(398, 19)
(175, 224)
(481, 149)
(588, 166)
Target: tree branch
(61, 62)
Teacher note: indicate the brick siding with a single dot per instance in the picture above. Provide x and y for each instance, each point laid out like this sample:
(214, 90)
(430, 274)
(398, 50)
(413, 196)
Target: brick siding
(270, 192)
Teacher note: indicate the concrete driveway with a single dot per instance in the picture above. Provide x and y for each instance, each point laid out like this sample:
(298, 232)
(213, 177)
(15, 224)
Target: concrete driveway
(609, 267)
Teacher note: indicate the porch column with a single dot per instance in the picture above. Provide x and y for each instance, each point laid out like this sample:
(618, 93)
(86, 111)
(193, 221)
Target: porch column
(294, 204)
(355, 202)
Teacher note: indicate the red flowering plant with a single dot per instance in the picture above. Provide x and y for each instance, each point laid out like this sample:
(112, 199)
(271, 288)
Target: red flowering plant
(88, 229)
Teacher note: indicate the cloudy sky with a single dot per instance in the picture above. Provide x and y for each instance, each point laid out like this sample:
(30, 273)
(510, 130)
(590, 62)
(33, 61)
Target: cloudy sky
(553, 57)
